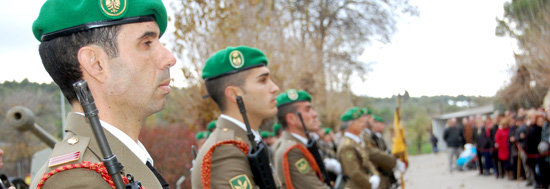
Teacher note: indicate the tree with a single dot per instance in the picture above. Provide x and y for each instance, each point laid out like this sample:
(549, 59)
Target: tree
(528, 21)
(311, 45)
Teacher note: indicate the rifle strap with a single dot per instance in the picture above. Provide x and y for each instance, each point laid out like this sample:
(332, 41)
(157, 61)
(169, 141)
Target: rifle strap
(97, 167)
(309, 157)
(207, 160)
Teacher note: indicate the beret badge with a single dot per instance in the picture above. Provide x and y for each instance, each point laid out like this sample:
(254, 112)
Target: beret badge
(113, 8)
(236, 59)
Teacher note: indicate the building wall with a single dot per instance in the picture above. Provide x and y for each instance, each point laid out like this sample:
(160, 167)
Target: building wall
(438, 127)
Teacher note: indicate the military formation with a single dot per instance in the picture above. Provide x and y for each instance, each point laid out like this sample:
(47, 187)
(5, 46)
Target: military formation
(114, 46)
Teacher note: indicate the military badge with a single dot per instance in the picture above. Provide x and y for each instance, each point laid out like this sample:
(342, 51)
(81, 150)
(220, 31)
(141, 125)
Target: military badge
(292, 94)
(236, 59)
(113, 8)
(62, 159)
(302, 165)
(240, 182)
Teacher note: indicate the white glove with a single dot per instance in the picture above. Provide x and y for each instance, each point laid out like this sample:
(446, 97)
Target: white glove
(374, 181)
(333, 165)
(400, 166)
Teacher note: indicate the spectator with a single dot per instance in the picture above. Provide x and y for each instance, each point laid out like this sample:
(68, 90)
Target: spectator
(477, 134)
(494, 153)
(533, 139)
(485, 146)
(545, 141)
(454, 138)
(514, 149)
(468, 130)
(434, 140)
(522, 134)
(501, 144)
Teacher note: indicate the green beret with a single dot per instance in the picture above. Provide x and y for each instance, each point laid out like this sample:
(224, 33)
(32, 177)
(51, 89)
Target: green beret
(201, 135)
(211, 126)
(291, 96)
(327, 130)
(276, 127)
(378, 118)
(367, 111)
(352, 114)
(264, 134)
(63, 17)
(232, 60)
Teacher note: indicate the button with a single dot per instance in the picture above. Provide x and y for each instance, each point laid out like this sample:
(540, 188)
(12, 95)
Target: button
(72, 140)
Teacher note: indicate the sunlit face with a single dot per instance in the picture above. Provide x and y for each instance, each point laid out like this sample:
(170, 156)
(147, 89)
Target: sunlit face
(356, 126)
(310, 116)
(140, 75)
(260, 93)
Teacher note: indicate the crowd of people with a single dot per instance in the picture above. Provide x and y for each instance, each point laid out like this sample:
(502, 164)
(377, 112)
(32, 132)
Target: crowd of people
(512, 145)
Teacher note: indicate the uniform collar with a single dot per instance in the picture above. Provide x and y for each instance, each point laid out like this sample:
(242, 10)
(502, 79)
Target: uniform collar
(137, 148)
(352, 136)
(379, 135)
(300, 138)
(257, 136)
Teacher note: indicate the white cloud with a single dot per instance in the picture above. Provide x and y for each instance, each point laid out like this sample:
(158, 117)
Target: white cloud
(450, 49)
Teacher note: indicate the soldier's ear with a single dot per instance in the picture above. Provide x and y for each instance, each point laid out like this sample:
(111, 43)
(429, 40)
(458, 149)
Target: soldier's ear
(291, 119)
(231, 92)
(92, 62)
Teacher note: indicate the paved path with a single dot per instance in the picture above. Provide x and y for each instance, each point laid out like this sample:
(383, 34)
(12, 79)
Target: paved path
(431, 171)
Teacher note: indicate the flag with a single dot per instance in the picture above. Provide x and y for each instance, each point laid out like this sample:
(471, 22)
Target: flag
(399, 147)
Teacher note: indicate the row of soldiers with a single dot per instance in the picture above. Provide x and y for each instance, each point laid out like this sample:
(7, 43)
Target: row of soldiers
(223, 162)
(114, 46)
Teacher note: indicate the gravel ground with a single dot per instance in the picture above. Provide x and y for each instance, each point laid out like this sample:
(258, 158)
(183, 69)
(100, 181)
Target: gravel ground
(432, 171)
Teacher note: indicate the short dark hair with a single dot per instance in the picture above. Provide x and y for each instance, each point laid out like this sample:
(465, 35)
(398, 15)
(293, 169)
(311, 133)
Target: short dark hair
(216, 87)
(282, 111)
(60, 55)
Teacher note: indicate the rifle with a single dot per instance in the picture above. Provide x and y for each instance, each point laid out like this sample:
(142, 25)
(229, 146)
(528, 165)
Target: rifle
(194, 149)
(258, 156)
(314, 150)
(110, 161)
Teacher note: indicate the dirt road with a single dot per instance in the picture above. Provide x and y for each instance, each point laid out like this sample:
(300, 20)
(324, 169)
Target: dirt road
(432, 171)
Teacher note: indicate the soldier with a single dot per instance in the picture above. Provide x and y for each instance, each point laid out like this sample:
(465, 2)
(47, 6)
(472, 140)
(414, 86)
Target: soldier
(378, 128)
(293, 161)
(328, 150)
(353, 156)
(201, 137)
(115, 47)
(384, 162)
(211, 126)
(231, 72)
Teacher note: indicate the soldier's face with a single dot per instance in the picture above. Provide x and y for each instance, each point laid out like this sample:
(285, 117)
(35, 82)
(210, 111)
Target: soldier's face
(140, 75)
(260, 93)
(310, 116)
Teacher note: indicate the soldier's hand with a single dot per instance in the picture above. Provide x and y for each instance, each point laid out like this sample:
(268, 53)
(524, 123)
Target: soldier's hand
(374, 181)
(333, 165)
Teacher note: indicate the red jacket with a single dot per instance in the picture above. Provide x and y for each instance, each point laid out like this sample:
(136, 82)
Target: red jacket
(501, 138)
